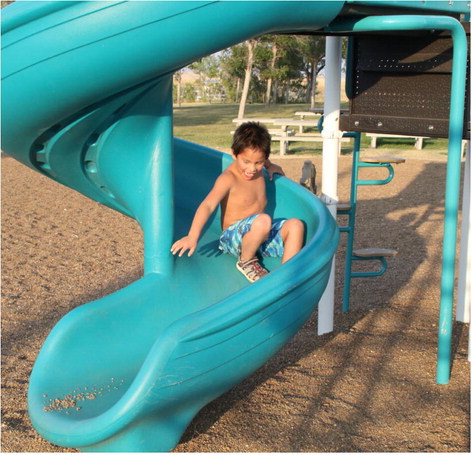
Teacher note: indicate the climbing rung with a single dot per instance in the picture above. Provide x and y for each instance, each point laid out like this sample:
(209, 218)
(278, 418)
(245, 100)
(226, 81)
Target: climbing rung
(381, 159)
(374, 252)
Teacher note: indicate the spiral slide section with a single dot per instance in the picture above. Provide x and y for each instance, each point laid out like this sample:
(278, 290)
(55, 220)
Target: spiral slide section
(87, 101)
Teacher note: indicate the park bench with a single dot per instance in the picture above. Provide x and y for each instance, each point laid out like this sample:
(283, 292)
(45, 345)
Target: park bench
(375, 136)
(285, 139)
(303, 114)
(266, 121)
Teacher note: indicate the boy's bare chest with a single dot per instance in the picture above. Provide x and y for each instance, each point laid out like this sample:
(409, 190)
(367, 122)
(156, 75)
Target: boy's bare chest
(249, 194)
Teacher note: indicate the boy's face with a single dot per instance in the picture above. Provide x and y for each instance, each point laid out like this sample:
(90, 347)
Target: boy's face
(250, 163)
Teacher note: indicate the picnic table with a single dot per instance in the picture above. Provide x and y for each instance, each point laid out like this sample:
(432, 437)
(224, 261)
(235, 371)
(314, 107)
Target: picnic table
(317, 110)
(306, 137)
(264, 120)
(285, 138)
(303, 114)
(285, 123)
(320, 110)
(247, 119)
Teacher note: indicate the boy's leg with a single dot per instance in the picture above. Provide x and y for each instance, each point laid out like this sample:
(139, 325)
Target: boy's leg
(256, 236)
(292, 233)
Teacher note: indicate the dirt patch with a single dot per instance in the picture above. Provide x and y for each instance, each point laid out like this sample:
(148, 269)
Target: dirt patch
(369, 386)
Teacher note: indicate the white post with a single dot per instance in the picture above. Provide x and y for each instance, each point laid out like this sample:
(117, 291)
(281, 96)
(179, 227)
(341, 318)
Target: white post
(465, 259)
(329, 187)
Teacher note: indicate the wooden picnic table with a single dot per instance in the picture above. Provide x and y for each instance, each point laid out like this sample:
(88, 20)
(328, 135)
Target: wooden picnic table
(303, 114)
(271, 121)
(306, 137)
(284, 138)
(285, 123)
(260, 120)
(320, 110)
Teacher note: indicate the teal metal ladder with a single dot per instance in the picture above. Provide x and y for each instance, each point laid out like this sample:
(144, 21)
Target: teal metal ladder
(366, 254)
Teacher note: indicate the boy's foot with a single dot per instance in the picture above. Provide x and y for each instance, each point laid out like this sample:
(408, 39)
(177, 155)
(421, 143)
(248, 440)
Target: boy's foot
(251, 269)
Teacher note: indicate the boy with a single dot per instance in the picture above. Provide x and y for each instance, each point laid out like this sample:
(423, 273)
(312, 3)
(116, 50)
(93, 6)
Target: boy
(241, 191)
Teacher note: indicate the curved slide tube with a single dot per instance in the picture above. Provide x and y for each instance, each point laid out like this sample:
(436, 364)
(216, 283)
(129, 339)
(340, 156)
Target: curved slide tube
(87, 101)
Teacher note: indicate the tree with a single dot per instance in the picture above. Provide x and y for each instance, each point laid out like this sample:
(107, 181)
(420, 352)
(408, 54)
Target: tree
(207, 68)
(268, 61)
(279, 49)
(269, 67)
(312, 50)
(233, 64)
(251, 44)
(290, 66)
(178, 80)
(273, 61)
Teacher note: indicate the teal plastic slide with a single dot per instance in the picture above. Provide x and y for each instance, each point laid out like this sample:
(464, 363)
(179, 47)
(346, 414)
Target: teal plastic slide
(87, 101)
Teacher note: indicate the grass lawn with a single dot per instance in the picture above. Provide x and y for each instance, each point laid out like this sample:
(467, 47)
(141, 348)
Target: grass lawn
(211, 125)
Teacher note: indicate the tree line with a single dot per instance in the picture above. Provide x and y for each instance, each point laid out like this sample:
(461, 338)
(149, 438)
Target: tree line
(270, 69)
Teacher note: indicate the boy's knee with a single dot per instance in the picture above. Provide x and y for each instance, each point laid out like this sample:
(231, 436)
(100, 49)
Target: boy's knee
(262, 222)
(294, 226)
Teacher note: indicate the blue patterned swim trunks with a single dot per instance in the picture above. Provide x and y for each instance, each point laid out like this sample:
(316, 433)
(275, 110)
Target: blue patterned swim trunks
(231, 238)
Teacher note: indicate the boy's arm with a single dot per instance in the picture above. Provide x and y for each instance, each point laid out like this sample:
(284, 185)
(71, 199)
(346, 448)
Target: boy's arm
(203, 213)
(273, 168)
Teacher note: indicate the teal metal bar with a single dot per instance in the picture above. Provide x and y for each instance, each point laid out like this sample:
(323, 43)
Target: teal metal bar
(377, 182)
(456, 121)
(352, 221)
(381, 271)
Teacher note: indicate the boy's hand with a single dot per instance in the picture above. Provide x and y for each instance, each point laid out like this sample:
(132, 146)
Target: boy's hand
(184, 244)
(273, 168)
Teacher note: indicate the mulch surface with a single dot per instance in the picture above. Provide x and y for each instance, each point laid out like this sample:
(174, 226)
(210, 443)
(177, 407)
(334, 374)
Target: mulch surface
(369, 386)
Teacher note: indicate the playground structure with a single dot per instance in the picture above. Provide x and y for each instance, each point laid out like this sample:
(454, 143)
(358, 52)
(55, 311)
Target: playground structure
(93, 111)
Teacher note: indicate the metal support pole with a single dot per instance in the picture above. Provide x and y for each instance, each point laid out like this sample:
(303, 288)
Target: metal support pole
(329, 188)
(352, 221)
(456, 125)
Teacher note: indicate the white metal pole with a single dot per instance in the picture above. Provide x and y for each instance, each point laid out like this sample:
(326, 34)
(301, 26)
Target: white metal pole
(465, 259)
(329, 186)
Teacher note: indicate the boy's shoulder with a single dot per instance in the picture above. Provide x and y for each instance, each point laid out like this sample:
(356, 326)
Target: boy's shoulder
(226, 178)
(228, 174)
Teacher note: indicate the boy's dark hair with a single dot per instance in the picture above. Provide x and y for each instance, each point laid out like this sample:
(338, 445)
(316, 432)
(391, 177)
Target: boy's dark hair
(253, 135)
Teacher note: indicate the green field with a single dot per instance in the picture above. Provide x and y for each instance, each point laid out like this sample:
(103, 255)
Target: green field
(211, 125)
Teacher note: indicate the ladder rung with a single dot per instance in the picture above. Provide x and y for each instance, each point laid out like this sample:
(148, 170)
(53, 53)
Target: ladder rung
(372, 252)
(381, 159)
